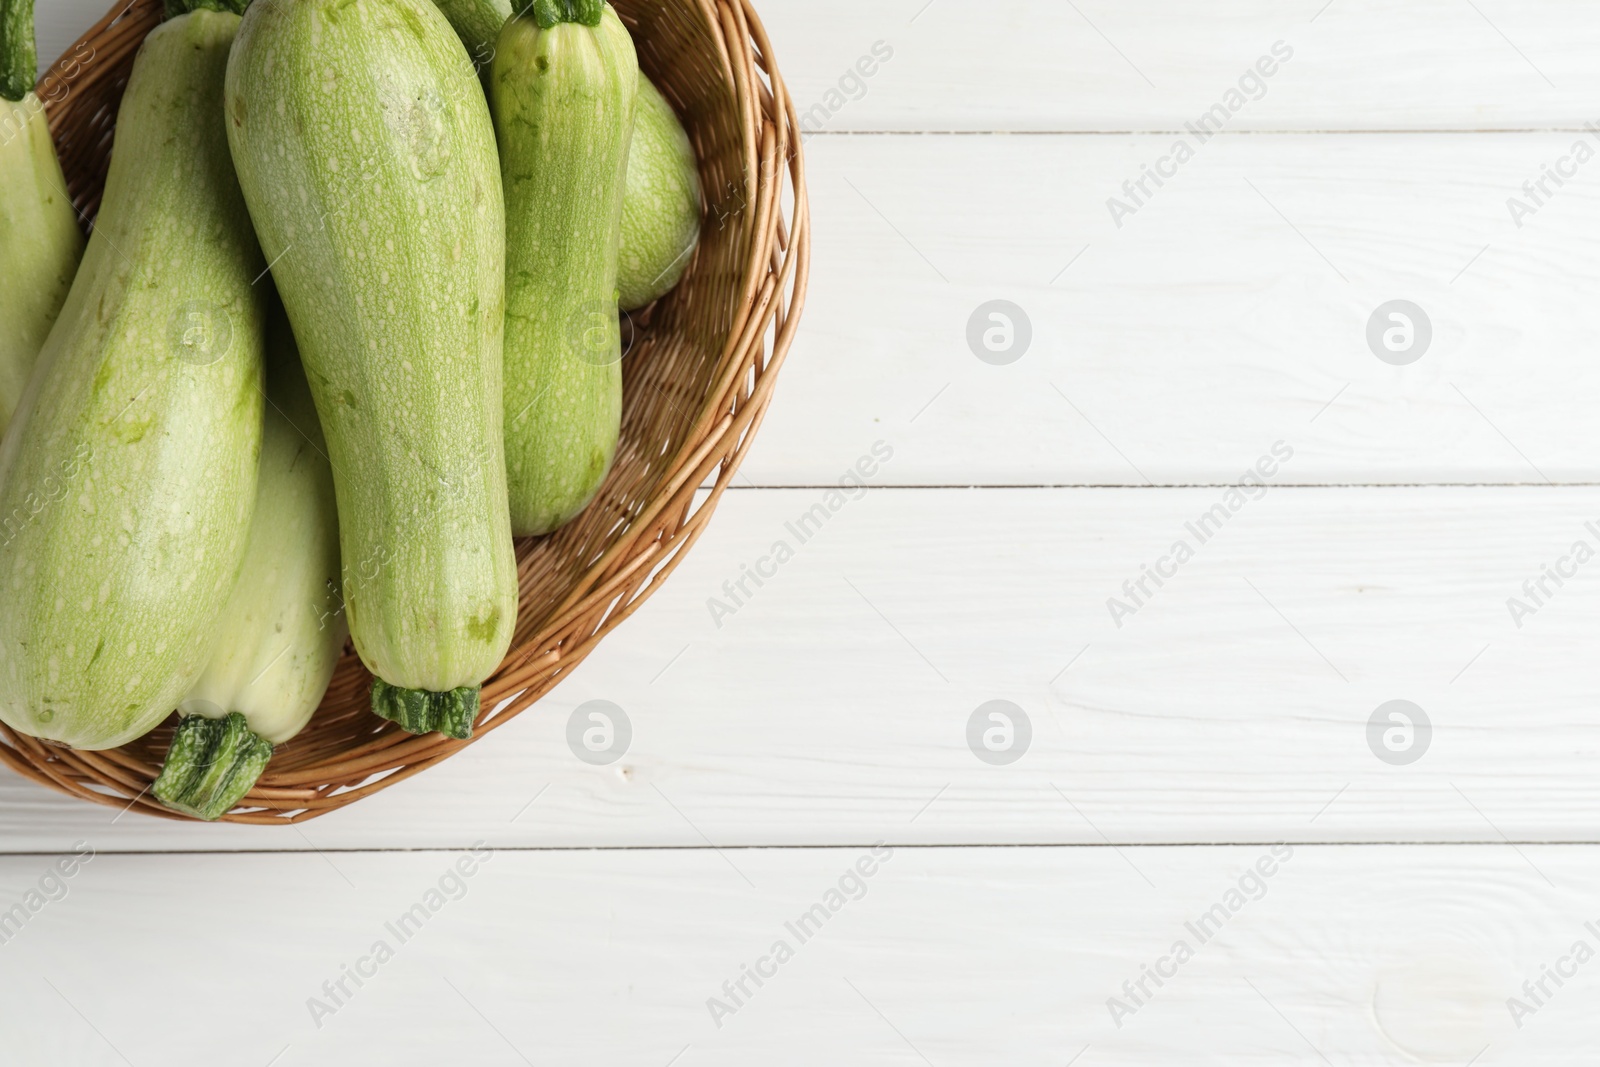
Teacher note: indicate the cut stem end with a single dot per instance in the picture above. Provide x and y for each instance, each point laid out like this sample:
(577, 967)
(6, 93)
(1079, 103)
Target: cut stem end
(547, 13)
(175, 8)
(421, 711)
(211, 765)
(18, 57)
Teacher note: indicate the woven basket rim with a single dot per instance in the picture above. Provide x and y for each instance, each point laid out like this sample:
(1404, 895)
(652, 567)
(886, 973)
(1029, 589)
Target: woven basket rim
(647, 541)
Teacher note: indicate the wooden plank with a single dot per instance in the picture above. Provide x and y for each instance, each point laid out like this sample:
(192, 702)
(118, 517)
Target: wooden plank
(57, 23)
(832, 705)
(1157, 64)
(1230, 311)
(969, 956)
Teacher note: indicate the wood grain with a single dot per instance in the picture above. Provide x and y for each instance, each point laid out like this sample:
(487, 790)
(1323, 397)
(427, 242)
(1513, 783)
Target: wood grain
(1156, 64)
(1230, 311)
(1374, 955)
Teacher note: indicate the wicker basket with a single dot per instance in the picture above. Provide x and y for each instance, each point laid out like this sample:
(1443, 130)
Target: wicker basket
(696, 383)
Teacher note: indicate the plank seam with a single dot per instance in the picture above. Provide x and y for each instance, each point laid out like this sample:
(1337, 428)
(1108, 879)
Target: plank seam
(1176, 485)
(968, 846)
(1286, 132)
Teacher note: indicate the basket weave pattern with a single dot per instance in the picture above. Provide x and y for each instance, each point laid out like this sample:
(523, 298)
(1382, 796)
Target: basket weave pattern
(696, 382)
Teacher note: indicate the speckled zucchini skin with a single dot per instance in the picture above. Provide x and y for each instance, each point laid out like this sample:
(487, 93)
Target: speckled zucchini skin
(661, 201)
(128, 477)
(661, 208)
(365, 151)
(40, 243)
(281, 632)
(477, 23)
(563, 95)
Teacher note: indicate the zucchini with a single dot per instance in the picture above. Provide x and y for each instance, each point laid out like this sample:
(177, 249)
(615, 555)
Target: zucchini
(477, 23)
(366, 154)
(562, 88)
(661, 201)
(281, 633)
(661, 208)
(128, 478)
(40, 243)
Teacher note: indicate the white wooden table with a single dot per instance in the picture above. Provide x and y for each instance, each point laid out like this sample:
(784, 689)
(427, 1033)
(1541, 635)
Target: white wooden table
(1200, 765)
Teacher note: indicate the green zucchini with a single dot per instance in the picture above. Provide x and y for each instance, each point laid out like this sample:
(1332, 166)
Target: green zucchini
(40, 243)
(281, 633)
(661, 209)
(477, 23)
(366, 154)
(562, 87)
(128, 478)
(661, 202)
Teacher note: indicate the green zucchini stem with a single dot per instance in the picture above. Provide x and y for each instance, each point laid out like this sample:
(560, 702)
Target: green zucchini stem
(421, 711)
(19, 58)
(548, 13)
(174, 8)
(211, 765)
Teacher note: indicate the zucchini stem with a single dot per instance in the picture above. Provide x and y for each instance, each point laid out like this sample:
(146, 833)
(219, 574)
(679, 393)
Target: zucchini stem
(548, 13)
(19, 58)
(421, 711)
(174, 8)
(211, 764)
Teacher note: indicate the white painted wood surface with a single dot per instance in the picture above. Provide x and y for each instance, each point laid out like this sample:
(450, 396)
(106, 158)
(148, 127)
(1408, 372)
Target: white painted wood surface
(943, 956)
(1230, 311)
(1229, 712)
(1156, 64)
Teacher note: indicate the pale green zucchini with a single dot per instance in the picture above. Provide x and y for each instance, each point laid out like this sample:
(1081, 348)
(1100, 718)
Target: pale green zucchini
(282, 630)
(661, 208)
(477, 23)
(562, 87)
(40, 243)
(661, 201)
(128, 478)
(366, 154)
